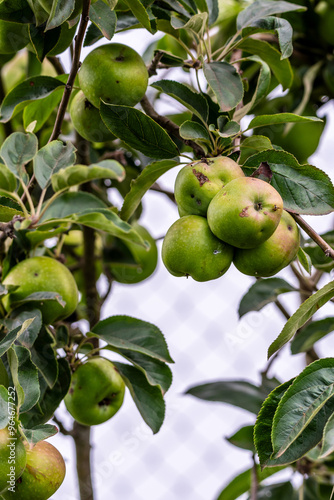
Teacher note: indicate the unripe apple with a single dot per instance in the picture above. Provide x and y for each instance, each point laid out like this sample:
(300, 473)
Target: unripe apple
(42, 274)
(87, 121)
(190, 249)
(197, 183)
(274, 254)
(114, 73)
(44, 473)
(96, 392)
(245, 212)
(12, 459)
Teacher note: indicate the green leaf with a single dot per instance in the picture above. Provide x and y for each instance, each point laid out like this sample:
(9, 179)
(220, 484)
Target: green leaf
(225, 83)
(133, 334)
(194, 101)
(13, 335)
(50, 398)
(305, 260)
(196, 24)
(242, 483)
(16, 11)
(233, 392)
(18, 316)
(327, 447)
(38, 112)
(4, 414)
(43, 42)
(280, 491)
(51, 159)
(44, 357)
(142, 184)
(77, 174)
(70, 203)
(9, 208)
(156, 372)
(104, 18)
(60, 11)
(263, 8)
(301, 316)
(7, 179)
(17, 150)
(194, 131)
(148, 398)
(318, 257)
(39, 433)
(305, 189)
(274, 24)
(243, 438)
(269, 54)
(252, 145)
(138, 131)
(264, 423)
(139, 11)
(25, 377)
(33, 89)
(307, 395)
(311, 333)
(266, 120)
(263, 292)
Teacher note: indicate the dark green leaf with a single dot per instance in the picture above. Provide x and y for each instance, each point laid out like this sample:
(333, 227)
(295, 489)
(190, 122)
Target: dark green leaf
(275, 24)
(38, 112)
(78, 174)
(39, 433)
(140, 13)
(269, 54)
(138, 131)
(242, 483)
(51, 159)
(305, 260)
(226, 84)
(43, 42)
(71, 203)
(140, 186)
(263, 8)
(194, 131)
(43, 355)
(103, 18)
(17, 150)
(133, 334)
(93, 35)
(311, 333)
(265, 120)
(310, 398)
(280, 491)
(27, 376)
(264, 423)
(148, 398)
(32, 89)
(18, 317)
(60, 11)
(16, 11)
(262, 293)
(327, 446)
(243, 438)
(305, 189)
(318, 257)
(301, 316)
(9, 208)
(233, 392)
(13, 335)
(196, 24)
(194, 101)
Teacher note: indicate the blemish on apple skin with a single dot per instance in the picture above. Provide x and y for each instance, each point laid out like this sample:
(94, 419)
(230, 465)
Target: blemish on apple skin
(198, 201)
(244, 212)
(289, 228)
(202, 179)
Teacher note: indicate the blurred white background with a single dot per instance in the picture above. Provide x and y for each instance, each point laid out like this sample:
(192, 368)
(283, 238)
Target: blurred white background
(188, 458)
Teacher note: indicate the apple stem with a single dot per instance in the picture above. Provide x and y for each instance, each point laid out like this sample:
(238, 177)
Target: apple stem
(325, 247)
(74, 70)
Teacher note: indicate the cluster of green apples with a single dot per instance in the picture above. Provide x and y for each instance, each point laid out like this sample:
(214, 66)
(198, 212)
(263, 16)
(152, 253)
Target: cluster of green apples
(26, 472)
(227, 217)
(114, 73)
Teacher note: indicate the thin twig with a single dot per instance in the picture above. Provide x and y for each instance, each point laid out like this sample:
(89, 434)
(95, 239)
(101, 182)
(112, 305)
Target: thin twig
(170, 126)
(74, 70)
(152, 69)
(56, 63)
(169, 194)
(327, 249)
(282, 309)
(62, 429)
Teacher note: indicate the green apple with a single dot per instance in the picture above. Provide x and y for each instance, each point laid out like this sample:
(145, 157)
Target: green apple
(190, 249)
(197, 183)
(13, 37)
(42, 274)
(12, 459)
(114, 73)
(87, 121)
(145, 260)
(43, 475)
(274, 254)
(245, 212)
(96, 392)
